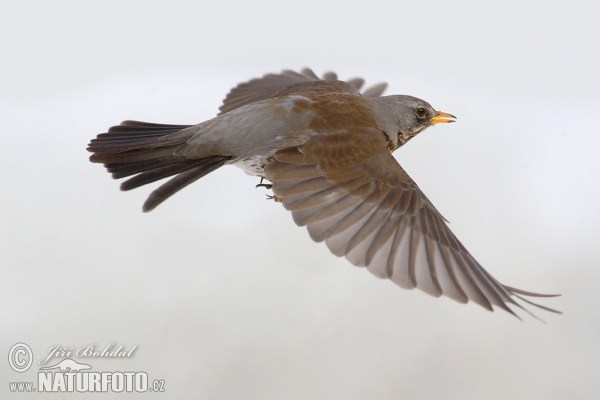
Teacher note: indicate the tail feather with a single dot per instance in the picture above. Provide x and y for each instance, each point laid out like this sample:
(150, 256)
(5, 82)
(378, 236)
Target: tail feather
(159, 173)
(179, 182)
(127, 169)
(133, 136)
(122, 144)
(147, 151)
(136, 154)
(148, 125)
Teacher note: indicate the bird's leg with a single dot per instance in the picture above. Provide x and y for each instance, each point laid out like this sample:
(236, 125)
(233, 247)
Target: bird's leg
(277, 199)
(265, 185)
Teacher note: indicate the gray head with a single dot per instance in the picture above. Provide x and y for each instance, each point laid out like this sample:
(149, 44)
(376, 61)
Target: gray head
(403, 117)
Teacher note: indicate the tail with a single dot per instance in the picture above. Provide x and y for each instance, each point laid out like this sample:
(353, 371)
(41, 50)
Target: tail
(148, 151)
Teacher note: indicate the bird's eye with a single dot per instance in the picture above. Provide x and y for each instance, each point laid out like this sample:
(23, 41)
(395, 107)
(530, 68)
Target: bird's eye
(421, 112)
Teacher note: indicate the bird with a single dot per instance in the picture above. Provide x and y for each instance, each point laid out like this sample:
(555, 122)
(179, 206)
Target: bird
(326, 149)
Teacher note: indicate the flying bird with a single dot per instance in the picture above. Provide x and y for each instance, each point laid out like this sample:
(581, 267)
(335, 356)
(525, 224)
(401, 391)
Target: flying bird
(326, 150)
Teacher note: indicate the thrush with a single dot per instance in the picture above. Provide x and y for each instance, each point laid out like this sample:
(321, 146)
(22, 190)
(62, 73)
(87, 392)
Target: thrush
(326, 149)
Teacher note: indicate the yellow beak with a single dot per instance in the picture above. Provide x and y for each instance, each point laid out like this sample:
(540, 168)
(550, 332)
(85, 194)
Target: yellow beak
(442, 118)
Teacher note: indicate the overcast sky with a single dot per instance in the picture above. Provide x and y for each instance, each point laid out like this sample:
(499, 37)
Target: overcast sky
(222, 294)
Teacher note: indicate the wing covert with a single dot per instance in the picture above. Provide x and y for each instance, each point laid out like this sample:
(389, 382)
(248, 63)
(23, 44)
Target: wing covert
(272, 85)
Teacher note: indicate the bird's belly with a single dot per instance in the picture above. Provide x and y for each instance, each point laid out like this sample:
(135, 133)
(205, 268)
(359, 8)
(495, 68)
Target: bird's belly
(253, 165)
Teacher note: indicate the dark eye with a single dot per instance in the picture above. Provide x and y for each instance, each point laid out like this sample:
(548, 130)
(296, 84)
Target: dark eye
(421, 112)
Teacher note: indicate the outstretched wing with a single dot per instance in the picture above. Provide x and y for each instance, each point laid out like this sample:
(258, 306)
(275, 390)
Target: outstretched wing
(366, 208)
(272, 85)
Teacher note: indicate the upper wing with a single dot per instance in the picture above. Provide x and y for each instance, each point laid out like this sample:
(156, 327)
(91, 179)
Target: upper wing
(367, 208)
(272, 85)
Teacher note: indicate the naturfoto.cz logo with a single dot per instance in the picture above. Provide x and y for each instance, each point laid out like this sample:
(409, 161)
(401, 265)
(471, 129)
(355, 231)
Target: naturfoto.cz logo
(69, 375)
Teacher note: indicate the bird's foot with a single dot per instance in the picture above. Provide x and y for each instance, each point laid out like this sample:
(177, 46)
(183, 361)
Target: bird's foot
(276, 199)
(265, 185)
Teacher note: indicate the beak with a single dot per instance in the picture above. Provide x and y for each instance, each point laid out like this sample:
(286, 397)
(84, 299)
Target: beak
(442, 118)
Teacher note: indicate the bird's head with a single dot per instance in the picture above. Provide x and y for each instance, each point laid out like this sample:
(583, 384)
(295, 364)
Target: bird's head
(404, 117)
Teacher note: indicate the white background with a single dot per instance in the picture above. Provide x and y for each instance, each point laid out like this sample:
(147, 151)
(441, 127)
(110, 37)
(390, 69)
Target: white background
(223, 295)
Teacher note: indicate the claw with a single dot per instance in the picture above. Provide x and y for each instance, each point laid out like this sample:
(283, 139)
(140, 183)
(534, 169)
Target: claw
(265, 185)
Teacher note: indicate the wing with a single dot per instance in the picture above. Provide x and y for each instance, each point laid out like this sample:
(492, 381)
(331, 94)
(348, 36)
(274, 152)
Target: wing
(366, 208)
(272, 85)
